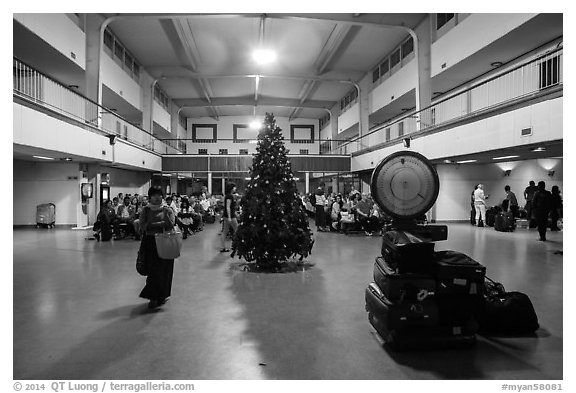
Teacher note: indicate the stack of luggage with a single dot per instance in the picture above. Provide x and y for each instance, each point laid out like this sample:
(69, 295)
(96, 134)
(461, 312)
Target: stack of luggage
(424, 299)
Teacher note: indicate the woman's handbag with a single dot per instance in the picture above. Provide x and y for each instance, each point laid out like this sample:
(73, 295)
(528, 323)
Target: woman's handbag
(169, 244)
(141, 266)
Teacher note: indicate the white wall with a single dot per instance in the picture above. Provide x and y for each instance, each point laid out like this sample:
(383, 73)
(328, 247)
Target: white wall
(39, 183)
(118, 80)
(127, 181)
(458, 181)
(225, 131)
(398, 84)
(496, 132)
(349, 118)
(60, 32)
(470, 35)
(162, 117)
(37, 129)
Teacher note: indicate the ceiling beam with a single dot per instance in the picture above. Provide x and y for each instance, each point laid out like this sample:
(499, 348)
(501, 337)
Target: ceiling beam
(333, 47)
(179, 33)
(249, 101)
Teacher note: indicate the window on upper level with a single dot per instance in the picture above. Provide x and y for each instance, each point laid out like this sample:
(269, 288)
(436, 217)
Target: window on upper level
(387, 134)
(203, 151)
(348, 100)
(407, 47)
(401, 128)
(244, 152)
(395, 58)
(442, 19)
(182, 121)
(161, 97)
(108, 39)
(323, 121)
(376, 74)
(223, 151)
(119, 53)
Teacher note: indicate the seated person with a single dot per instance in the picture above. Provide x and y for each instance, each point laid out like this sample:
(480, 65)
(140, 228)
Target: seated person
(197, 213)
(335, 213)
(364, 208)
(380, 220)
(141, 205)
(184, 218)
(126, 215)
(208, 214)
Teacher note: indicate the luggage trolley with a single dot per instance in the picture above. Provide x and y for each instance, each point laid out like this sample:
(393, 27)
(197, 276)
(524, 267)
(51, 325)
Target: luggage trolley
(46, 215)
(401, 303)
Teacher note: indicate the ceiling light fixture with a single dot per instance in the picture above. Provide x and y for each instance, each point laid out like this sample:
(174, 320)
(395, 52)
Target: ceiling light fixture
(496, 64)
(538, 149)
(43, 158)
(264, 56)
(255, 125)
(465, 161)
(504, 157)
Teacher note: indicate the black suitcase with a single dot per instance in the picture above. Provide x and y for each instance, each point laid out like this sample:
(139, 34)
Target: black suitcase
(473, 216)
(504, 222)
(506, 312)
(458, 274)
(463, 310)
(490, 218)
(400, 315)
(422, 338)
(398, 287)
(407, 253)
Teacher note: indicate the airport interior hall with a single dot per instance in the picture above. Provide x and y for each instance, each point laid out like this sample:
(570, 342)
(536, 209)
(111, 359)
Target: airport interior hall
(288, 196)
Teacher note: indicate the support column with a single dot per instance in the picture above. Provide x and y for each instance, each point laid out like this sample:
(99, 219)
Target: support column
(147, 100)
(223, 185)
(307, 181)
(92, 75)
(333, 127)
(422, 48)
(210, 183)
(364, 109)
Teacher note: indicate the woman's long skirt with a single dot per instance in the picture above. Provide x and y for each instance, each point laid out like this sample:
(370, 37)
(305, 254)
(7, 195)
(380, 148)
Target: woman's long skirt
(160, 271)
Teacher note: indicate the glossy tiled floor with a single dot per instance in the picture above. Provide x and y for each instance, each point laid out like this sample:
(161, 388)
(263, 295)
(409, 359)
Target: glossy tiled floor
(77, 314)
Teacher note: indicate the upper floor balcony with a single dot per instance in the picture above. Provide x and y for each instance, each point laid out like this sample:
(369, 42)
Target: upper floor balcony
(535, 79)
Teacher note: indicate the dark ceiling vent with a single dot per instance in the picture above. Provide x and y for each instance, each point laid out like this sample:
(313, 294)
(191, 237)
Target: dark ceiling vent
(526, 131)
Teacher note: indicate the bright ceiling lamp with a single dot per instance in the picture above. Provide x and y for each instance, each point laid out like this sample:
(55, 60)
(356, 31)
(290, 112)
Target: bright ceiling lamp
(43, 158)
(255, 125)
(264, 56)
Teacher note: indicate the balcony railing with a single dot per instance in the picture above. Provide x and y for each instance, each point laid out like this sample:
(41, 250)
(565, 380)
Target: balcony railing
(34, 86)
(528, 79)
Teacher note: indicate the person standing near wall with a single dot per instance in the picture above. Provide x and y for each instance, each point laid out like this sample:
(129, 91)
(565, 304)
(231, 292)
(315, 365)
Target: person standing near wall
(556, 212)
(472, 207)
(512, 201)
(320, 213)
(228, 215)
(541, 205)
(528, 195)
(480, 205)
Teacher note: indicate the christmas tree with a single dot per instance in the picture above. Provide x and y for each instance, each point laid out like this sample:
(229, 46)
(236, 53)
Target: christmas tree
(273, 225)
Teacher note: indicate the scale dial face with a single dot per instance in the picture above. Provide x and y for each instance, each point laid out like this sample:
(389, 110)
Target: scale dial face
(405, 184)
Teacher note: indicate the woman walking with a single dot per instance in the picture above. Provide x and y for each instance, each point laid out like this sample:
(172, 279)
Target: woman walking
(156, 218)
(229, 215)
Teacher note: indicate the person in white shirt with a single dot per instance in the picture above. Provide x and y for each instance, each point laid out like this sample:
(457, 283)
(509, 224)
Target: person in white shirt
(480, 205)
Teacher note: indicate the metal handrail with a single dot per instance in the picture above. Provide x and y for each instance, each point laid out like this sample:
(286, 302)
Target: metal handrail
(40, 89)
(534, 76)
